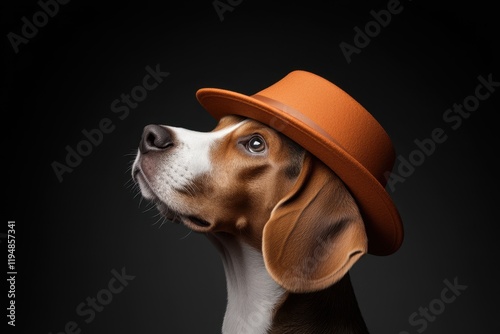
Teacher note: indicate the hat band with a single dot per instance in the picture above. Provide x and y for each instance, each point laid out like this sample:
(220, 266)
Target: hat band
(297, 115)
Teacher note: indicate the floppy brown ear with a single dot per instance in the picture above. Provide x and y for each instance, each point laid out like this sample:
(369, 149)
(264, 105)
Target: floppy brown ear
(315, 234)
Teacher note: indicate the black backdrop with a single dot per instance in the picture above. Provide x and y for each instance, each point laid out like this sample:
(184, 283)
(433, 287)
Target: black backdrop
(76, 235)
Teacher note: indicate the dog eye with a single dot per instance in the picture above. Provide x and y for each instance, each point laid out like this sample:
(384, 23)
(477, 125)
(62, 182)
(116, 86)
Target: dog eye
(256, 144)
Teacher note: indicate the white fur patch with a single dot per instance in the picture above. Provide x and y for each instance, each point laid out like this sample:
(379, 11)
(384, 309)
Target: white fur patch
(252, 293)
(176, 170)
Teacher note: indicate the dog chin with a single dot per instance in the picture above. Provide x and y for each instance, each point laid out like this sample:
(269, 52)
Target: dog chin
(191, 221)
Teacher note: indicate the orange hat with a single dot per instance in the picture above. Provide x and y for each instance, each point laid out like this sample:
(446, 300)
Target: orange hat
(334, 127)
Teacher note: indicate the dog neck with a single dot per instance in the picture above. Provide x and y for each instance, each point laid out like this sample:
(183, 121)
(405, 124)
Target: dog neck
(257, 304)
(252, 293)
(332, 310)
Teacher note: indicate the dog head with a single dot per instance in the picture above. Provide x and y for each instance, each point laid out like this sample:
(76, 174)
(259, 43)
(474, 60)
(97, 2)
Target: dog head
(248, 180)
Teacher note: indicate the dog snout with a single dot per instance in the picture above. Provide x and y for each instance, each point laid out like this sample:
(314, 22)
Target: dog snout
(155, 138)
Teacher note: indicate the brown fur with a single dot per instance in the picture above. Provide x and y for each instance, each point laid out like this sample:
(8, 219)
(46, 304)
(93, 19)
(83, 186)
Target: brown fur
(244, 188)
(315, 234)
(298, 213)
(328, 311)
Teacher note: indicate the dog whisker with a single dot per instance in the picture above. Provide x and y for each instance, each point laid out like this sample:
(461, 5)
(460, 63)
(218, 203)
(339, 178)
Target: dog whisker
(149, 209)
(133, 153)
(162, 220)
(137, 194)
(135, 190)
(129, 183)
(157, 221)
(149, 206)
(191, 191)
(162, 223)
(187, 235)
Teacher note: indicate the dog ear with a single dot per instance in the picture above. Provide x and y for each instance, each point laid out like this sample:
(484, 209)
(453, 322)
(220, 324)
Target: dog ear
(315, 233)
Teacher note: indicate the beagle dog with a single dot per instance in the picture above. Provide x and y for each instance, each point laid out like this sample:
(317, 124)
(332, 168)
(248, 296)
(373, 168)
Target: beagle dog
(287, 228)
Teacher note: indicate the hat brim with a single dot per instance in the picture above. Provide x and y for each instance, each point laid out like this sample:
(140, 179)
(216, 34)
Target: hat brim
(382, 220)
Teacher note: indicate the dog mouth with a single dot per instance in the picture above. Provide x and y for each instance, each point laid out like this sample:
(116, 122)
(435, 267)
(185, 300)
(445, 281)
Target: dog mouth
(177, 217)
(191, 221)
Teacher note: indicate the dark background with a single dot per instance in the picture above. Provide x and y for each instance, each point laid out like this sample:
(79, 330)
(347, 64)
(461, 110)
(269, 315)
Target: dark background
(70, 235)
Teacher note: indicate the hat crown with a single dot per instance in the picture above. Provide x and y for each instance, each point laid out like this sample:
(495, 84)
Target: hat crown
(336, 114)
(331, 125)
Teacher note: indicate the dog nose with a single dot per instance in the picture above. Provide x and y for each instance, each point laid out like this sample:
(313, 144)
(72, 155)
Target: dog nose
(155, 138)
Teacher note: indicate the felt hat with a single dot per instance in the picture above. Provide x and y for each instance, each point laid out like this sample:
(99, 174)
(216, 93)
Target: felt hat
(335, 128)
